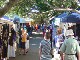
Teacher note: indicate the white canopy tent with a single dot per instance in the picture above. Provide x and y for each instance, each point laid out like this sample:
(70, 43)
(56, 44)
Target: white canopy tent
(2, 20)
(28, 19)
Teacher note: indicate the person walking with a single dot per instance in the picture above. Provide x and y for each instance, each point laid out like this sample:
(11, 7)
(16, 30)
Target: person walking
(70, 48)
(58, 39)
(12, 40)
(44, 30)
(45, 48)
(20, 42)
(24, 40)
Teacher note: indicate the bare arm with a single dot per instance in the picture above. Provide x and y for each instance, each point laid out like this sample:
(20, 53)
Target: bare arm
(62, 55)
(78, 51)
(78, 54)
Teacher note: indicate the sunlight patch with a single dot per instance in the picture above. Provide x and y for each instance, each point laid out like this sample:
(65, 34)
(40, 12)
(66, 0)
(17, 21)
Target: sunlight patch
(34, 44)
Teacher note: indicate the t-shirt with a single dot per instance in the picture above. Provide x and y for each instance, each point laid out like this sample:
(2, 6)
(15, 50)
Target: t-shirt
(24, 36)
(58, 39)
(45, 46)
(70, 46)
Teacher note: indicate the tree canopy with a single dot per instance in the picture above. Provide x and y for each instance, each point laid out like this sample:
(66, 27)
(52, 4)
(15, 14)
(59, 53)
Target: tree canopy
(46, 8)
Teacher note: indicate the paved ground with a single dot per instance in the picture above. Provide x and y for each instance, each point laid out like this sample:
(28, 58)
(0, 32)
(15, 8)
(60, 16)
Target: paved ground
(33, 51)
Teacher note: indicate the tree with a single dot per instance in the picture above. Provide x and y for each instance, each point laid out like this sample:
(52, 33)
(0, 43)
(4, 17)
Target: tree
(17, 6)
(7, 7)
(22, 7)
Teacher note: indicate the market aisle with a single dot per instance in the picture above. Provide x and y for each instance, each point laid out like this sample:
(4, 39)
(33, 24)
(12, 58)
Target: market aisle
(33, 51)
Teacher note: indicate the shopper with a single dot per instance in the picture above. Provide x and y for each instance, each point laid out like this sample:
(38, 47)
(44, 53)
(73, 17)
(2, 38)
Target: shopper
(20, 41)
(70, 47)
(24, 40)
(58, 39)
(45, 48)
(12, 43)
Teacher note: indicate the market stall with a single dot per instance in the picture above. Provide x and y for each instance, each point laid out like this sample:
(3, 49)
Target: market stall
(56, 22)
(72, 21)
(29, 20)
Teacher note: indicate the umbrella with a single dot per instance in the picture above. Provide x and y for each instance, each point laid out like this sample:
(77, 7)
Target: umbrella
(72, 18)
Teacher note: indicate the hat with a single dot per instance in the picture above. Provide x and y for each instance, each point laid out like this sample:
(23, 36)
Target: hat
(69, 32)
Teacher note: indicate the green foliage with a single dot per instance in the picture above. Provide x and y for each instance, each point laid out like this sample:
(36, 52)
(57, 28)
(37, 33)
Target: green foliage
(2, 3)
(43, 7)
(23, 7)
(64, 3)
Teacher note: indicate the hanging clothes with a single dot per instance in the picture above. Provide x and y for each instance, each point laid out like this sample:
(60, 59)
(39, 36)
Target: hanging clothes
(5, 44)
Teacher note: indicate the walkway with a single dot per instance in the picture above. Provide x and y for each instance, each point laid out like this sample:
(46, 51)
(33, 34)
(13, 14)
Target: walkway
(33, 51)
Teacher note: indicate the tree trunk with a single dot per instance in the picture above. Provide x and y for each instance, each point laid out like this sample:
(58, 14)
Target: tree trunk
(7, 7)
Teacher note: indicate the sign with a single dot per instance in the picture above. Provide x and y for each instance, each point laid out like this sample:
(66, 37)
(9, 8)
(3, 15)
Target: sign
(57, 21)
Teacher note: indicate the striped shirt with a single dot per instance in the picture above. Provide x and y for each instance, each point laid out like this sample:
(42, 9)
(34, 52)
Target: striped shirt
(45, 46)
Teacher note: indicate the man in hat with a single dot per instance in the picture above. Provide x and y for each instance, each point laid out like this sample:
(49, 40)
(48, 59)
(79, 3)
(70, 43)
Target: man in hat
(70, 47)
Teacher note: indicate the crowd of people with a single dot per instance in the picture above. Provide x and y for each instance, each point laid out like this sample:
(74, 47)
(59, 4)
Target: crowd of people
(11, 40)
(67, 48)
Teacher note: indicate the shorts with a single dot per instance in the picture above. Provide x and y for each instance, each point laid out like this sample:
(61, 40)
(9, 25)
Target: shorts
(23, 45)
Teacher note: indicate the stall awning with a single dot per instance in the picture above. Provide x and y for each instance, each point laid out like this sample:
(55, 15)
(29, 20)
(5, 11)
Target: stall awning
(6, 19)
(22, 20)
(72, 18)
